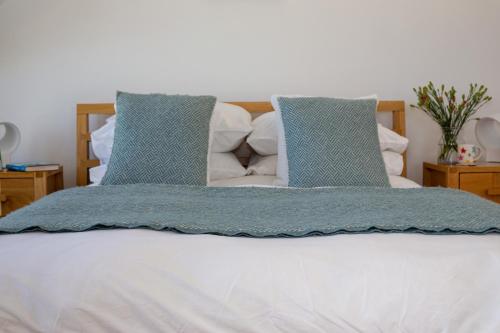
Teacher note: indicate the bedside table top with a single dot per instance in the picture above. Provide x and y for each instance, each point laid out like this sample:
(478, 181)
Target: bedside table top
(4, 174)
(478, 167)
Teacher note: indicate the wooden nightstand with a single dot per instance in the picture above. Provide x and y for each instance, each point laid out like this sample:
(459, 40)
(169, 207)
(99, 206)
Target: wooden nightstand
(482, 179)
(18, 189)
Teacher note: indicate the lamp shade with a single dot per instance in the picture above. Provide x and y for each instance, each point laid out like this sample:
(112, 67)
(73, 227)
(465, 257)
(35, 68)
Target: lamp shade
(10, 139)
(488, 136)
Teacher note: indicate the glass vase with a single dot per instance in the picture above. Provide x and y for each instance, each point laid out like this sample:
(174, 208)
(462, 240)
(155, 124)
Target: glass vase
(448, 146)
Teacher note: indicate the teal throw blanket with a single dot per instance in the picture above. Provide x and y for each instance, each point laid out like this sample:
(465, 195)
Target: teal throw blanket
(258, 212)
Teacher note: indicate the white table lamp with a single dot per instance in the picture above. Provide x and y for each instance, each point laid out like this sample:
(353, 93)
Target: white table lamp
(10, 138)
(488, 136)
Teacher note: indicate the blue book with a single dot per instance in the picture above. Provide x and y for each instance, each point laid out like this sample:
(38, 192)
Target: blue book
(32, 166)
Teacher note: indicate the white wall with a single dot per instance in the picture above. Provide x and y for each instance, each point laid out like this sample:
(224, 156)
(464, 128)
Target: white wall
(56, 53)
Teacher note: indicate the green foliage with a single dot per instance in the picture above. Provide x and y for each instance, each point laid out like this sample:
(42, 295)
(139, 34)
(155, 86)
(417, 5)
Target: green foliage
(445, 109)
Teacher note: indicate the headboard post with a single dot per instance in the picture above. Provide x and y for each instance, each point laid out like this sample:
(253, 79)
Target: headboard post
(83, 111)
(83, 161)
(398, 121)
(82, 149)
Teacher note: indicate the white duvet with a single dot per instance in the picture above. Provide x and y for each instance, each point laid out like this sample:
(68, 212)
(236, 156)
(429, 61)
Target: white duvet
(149, 281)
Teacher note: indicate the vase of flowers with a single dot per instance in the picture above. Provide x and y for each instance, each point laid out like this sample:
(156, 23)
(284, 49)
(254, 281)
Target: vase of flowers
(450, 113)
(448, 145)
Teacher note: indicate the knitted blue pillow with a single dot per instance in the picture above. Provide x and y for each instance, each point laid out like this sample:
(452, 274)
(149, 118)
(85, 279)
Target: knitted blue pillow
(332, 142)
(160, 139)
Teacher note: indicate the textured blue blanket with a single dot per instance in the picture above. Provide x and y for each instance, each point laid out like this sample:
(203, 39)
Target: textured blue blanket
(258, 212)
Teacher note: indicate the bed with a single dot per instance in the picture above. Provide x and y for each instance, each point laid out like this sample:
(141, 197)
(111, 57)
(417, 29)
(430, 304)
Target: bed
(149, 281)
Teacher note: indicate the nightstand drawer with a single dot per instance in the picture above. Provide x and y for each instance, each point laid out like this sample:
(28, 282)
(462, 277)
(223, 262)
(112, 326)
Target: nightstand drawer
(486, 185)
(14, 194)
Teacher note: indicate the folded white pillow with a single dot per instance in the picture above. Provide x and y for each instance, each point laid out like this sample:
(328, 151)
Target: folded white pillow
(262, 165)
(97, 173)
(229, 126)
(393, 163)
(102, 140)
(264, 137)
(224, 166)
(266, 165)
(390, 140)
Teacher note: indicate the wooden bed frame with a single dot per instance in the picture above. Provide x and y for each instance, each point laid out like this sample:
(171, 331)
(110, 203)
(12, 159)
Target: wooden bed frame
(83, 112)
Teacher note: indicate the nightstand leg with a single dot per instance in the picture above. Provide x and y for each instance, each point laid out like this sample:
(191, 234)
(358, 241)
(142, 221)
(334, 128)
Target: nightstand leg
(59, 181)
(427, 181)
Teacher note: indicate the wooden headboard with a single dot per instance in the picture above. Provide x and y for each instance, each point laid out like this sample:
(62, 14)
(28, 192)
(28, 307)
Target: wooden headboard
(83, 112)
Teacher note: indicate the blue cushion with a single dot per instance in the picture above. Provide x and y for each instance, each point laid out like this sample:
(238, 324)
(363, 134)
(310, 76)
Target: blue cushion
(160, 139)
(332, 142)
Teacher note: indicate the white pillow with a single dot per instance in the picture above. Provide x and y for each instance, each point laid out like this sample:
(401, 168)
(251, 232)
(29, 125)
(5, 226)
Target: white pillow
(229, 126)
(264, 138)
(96, 174)
(282, 165)
(102, 140)
(390, 140)
(393, 163)
(262, 165)
(224, 166)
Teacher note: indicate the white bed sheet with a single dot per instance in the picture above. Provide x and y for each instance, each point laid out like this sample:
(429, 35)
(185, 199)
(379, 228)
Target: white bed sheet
(148, 281)
(272, 181)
